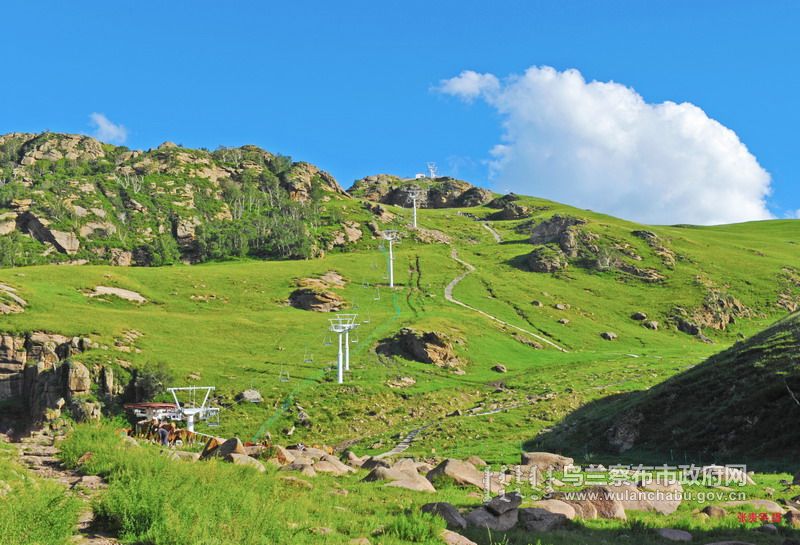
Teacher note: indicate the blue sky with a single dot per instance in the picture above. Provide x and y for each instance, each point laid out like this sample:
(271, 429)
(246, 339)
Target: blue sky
(351, 86)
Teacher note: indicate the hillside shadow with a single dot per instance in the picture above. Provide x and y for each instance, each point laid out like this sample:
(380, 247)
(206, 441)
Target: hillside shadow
(585, 435)
(632, 532)
(519, 262)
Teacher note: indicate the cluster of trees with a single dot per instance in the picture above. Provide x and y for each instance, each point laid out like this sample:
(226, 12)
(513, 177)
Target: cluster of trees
(265, 221)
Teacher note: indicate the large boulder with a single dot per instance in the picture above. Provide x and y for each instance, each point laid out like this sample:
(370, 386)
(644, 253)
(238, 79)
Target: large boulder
(560, 230)
(317, 300)
(511, 211)
(250, 395)
(606, 502)
(546, 461)
(457, 471)
(39, 228)
(547, 259)
(79, 380)
(504, 503)
(245, 460)
(536, 519)
(224, 449)
(484, 519)
(401, 478)
(425, 347)
(557, 507)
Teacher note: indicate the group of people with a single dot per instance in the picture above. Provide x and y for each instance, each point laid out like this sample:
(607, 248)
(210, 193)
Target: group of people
(163, 432)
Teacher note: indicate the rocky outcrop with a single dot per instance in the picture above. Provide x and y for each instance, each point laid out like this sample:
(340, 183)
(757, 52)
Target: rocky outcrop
(560, 230)
(54, 147)
(547, 259)
(316, 300)
(10, 302)
(39, 228)
(303, 178)
(510, 211)
(718, 311)
(121, 293)
(660, 249)
(350, 233)
(39, 375)
(111, 204)
(425, 347)
(438, 193)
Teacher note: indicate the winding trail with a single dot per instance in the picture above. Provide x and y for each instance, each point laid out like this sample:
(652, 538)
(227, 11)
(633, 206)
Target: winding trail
(39, 454)
(448, 294)
(495, 234)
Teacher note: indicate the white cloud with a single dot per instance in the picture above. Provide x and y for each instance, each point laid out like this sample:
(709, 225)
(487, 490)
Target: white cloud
(106, 130)
(599, 145)
(469, 85)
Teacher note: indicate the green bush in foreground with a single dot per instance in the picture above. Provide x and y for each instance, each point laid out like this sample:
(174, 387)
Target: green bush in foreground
(33, 511)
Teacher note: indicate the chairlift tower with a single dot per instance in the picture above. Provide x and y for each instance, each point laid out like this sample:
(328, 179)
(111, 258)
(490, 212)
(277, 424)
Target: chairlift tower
(391, 236)
(342, 324)
(414, 193)
(191, 411)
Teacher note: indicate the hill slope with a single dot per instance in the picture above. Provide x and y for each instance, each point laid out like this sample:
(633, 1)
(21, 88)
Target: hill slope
(669, 296)
(736, 404)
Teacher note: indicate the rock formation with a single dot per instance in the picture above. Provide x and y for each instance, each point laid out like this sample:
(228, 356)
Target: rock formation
(425, 347)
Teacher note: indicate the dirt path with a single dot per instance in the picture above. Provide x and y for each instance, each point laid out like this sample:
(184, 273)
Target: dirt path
(448, 294)
(495, 234)
(39, 453)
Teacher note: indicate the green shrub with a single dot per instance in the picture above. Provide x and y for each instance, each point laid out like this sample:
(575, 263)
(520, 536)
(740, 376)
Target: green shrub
(33, 511)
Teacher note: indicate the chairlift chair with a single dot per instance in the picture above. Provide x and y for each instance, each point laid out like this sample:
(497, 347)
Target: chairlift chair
(354, 338)
(327, 340)
(283, 374)
(377, 294)
(308, 357)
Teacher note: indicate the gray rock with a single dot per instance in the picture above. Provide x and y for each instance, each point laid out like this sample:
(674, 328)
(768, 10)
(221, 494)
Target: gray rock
(536, 519)
(249, 396)
(446, 511)
(485, 519)
(504, 503)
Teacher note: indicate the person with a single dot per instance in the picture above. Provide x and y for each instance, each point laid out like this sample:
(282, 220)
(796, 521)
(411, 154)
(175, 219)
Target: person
(163, 435)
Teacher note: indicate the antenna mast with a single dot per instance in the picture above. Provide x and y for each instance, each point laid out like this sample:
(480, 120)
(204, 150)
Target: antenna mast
(433, 172)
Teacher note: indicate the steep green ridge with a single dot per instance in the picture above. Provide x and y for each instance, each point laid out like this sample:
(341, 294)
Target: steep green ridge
(735, 406)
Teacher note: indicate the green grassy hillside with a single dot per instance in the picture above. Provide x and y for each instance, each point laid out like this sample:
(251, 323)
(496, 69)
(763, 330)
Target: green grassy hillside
(228, 325)
(731, 408)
